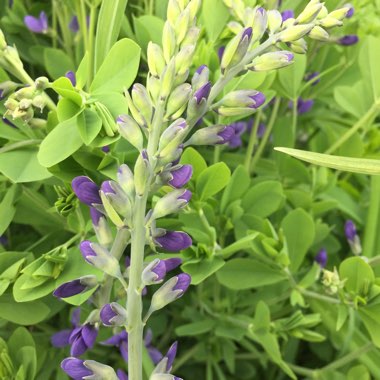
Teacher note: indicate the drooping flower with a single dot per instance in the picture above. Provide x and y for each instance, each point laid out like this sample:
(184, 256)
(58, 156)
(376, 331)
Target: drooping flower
(61, 338)
(348, 40)
(303, 105)
(74, 24)
(352, 237)
(77, 286)
(113, 314)
(239, 128)
(82, 338)
(71, 76)
(173, 241)
(287, 14)
(180, 176)
(86, 190)
(37, 25)
(87, 369)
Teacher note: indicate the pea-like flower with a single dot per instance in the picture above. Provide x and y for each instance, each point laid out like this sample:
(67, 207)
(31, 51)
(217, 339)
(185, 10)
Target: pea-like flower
(37, 24)
(77, 286)
(352, 237)
(321, 258)
(86, 190)
(72, 78)
(348, 40)
(113, 314)
(173, 241)
(82, 338)
(79, 369)
(287, 14)
(180, 176)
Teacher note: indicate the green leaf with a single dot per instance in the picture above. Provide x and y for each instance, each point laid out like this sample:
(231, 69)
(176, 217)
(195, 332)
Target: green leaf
(7, 209)
(370, 317)
(57, 62)
(200, 270)
(22, 166)
(369, 59)
(299, 231)
(192, 157)
(195, 328)
(119, 68)
(349, 164)
(60, 143)
(64, 87)
(22, 313)
(89, 125)
(111, 15)
(242, 273)
(358, 372)
(212, 180)
(148, 28)
(358, 274)
(214, 15)
(237, 186)
(263, 199)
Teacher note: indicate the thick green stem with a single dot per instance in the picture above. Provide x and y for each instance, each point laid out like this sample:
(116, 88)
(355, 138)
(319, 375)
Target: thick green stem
(372, 112)
(134, 303)
(267, 133)
(91, 46)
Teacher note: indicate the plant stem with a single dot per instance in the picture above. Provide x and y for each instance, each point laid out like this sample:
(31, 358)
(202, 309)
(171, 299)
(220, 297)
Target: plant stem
(134, 303)
(366, 118)
(91, 45)
(318, 296)
(252, 141)
(267, 133)
(294, 119)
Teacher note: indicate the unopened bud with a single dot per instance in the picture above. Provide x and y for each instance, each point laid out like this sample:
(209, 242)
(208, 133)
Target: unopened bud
(319, 34)
(310, 13)
(340, 13)
(168, 78)
(200, 77)
(274, 20)
(296, 32)
(299, 46)
(183, 59)
(330, 22)
(3, 42)
(142, 172)
(171, 203)
(126, 180)
(156, 60)
(39, 102)
(174, 132)
(182, 25)
(168, 41)
(41, 83)
(178, 98)
(173, 12)
(154, 272)
(113, 314)
(142, 101)
(130, 130)
(260, 23)
(272, 61)
(191, 37)
(216, 134)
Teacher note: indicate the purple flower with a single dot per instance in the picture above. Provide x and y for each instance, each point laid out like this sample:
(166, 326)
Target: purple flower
(203, 92)
(3, 240)
(303, 106)
(112, 314)
(174, 241)
(74, 24)
(121, 341)
(172, 263)
(37, 25)
(321, 258)
(348, 40)
(350, 12)
(261, 130)
(154, 354)
(186, 196)
(248, 31)
(287, 14)
(121, 374)
(61, 338)
(180, 176)
(106, 149)
(86, 249)
(183, 282)
(107, 188)
(239, 128)
(226, 134)
(170, 355)
(200, 69)
(258, 100)
(95, 216)
(311, 76)
(350, 230)
(82, 338)
(77, 286)
(71, 76)
(75, 368)
(86, 190)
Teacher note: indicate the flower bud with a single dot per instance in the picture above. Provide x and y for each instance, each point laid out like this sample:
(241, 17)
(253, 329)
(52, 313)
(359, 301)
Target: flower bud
(153, 85)
(100, 371)
(299, 46)
(142, 101)
(154, 272)
(7, 88)
(164, 376)
(321, 258)
(126, 180)
(236, 49)
(86, 190)
(330, 22)
(72, 78)
(173, 241)
(274, 20)
(319, 34)
(235, 27)
(42, 83)
(183, 59)
(173, 12)
(331, 281)
(3, 42)
(271, 61)
(200, 77)
(171, 203)
(82, 338)
(352, 237)
(100, 258)
(182, 25)
(296, 32)
(194, 6)
(168, 78)
(170, 291)
(37, 25)
(39, 102)
(178, 99)
(101, 227)
(75, 368)
(216, 134)
(156, 60)
(142, 172)
(180, 176)
(348, 40)
(350, 11)
(191, 36)
(342, 13)
(245, 98)
(310, 13)
(130, 130)
(168, 41)
(117, 198)
(74, 287)
(260, 23)
(166, 363)
(113, 314)
(174, 134)
(135, 112)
